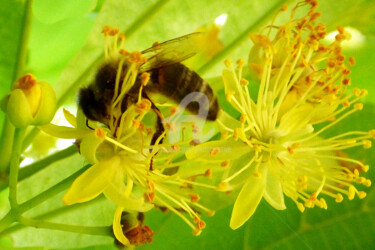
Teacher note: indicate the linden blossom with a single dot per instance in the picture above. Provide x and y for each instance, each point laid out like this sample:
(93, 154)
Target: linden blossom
(276, 149)
(124, 168)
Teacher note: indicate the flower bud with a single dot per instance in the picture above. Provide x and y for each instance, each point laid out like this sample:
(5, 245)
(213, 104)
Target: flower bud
(31, 102)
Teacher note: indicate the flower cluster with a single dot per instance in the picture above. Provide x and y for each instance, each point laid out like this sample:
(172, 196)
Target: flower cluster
(130, 166)
(276, 146)
(278, 137)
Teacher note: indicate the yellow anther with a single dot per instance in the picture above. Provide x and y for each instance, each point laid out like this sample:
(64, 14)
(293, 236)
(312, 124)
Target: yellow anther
(243, 118)
(173, 111)
(351, 61)
(367, 183)
(122, 37)
(136, 124)
(224, 135)
(309, 204)
(300, 207)
(372, 133)
(323, 203)
(260, 40)
(228, 62)
(367, 144)
(214, 151)
(225, 164)
(358, 106)
(150, 185)
(124, 52)
(145, 78)
(291, 150)
(114, 31)
(257, 148)
(196, 129)
(211, 213)
(362, 194)
(106, 29)
(284, 8)
(351, 192)
(100, 133)
(302, 179)
(208, 173)
(143, 106)
(346, 103)
(222, 187)
(240, 63)
(149, 196)
(357, 91)
(244, 82)
(257, 175)
(200, 224)
(175, 147)
(339, 198)
(194, 197)
(364, 92)
(197, 232)
(365, 168)
(236, 134)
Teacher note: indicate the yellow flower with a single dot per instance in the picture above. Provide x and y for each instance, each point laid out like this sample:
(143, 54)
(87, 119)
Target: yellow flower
(126, 168)
(275, 148)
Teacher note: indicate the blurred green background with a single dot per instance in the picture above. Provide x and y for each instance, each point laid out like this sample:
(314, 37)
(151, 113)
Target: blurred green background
(64, 46)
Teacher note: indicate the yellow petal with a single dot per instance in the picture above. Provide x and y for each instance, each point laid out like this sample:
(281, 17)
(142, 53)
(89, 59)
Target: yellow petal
(65, 132)
(92, 182)
(248, 200)
(18, 110)
(218, 150)
(228, 121)
(274, 192)
(117, 227)
(115, 193)
(88, 147)
(70, 118)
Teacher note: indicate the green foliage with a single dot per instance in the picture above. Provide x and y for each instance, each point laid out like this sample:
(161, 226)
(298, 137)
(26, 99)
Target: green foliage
(65, 46)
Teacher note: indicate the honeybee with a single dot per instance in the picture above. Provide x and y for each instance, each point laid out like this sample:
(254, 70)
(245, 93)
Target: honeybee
(168, 76)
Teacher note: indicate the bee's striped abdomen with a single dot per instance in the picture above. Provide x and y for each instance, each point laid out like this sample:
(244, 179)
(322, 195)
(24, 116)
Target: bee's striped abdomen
(177, 81)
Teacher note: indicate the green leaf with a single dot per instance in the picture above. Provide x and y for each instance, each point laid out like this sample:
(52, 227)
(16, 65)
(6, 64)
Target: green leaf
(46, 12)
(10, 31)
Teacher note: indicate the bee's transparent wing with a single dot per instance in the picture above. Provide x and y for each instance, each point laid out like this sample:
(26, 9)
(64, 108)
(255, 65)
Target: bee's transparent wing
(171, 52)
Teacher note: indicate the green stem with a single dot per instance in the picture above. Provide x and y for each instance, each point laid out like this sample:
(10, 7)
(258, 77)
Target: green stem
(65, 227)
(14, 166)
(8, 129)
(240, 38)
(30, 137)
(17, 210)
(24, 40)
(6, 145)
(51, 214)
(40, 165)
(54, 190)
(6, 221)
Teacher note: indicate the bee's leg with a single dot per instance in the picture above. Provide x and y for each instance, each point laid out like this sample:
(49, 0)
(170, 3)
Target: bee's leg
(159, 128)
(158, 132)
(87, 124)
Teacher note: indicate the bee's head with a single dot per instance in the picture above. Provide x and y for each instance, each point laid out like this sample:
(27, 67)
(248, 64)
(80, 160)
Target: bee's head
(93, 108)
